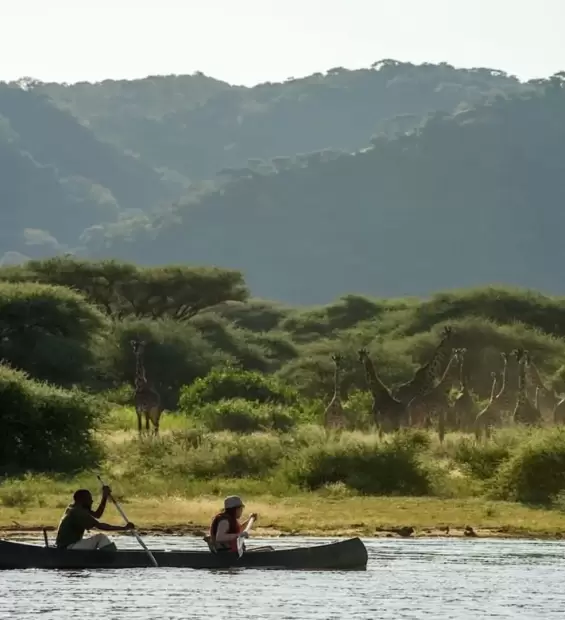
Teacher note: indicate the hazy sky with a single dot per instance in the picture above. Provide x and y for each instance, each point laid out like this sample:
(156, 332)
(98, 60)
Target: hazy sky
(250, 41)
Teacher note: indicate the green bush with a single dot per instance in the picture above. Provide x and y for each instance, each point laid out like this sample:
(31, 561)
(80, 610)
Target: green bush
(49, 332)
(480, 460)
(45, 428)
(207, 456)
(535, 473)
(364, 464)
(244, 416)
(230, 382)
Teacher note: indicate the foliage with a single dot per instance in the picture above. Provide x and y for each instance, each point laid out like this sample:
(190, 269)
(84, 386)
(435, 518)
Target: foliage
(124, 289)
(229, 382)
(244, 416)
(535, 472)
(49, 331)
(366, 465)
(45, 428)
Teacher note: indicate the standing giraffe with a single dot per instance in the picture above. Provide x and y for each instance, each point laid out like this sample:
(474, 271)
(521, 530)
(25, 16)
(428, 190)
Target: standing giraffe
(489, 417)
(525, 412)
(464, 406)
(334, 415)
(147, 400)
(547, 397)
(436, 401)
(389, 413)
(428, 375)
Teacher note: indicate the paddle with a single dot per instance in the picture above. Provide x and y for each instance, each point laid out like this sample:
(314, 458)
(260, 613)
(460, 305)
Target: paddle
(119, 509)
(240, 538)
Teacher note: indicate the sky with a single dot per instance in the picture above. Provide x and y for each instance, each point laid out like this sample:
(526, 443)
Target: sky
(253, 41)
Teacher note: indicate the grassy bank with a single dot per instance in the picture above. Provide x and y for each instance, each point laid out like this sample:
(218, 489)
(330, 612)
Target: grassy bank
(313, 482)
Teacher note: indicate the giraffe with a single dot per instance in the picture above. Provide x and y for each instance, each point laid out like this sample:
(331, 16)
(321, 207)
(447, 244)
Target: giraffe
(390, 414)
(464, 406)
(525, 412)
(147, 400)
(489, 417)
(334, 415)
(429, 374)
(436, 400)
(548, 399)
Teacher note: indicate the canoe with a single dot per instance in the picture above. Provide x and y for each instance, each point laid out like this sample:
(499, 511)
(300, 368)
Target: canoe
(348, 554)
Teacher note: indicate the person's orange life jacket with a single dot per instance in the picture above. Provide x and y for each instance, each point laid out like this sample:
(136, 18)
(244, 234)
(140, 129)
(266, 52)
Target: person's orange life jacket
(234, 528)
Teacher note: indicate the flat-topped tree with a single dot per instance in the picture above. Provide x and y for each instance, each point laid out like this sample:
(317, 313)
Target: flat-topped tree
(123, 289)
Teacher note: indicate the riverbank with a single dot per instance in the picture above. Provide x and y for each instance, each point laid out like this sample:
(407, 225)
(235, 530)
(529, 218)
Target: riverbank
(313, 515)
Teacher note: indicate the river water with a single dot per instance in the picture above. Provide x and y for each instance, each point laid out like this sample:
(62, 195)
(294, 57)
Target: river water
(431, 579)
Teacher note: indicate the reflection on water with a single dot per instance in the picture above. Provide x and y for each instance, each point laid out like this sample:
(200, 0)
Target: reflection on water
(435, 579)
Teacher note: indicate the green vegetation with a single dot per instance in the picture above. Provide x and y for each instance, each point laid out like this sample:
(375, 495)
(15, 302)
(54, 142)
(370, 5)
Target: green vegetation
(245, 384)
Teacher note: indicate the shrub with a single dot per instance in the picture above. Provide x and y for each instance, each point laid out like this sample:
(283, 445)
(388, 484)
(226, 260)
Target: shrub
(365, 464)
(49, 332)
(480, 460)
(45, 428)
(230, 382)
(244, 416)
(535, 473)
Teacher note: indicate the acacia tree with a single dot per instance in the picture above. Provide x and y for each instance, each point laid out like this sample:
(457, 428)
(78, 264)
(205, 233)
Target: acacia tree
(123, 289)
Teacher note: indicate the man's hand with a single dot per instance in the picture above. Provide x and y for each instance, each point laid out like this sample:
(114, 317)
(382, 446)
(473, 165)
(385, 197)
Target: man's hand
(106, 492)
(244, 534)
(254, 515)
(130, 526)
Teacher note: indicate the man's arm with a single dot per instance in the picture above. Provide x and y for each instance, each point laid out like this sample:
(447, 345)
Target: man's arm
(90, 523)
(102, 507)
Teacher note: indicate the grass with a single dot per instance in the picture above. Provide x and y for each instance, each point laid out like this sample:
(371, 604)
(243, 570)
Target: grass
(176, 483)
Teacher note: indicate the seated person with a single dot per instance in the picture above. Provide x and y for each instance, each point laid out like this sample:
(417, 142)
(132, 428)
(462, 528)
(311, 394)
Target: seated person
(80, 517)
(226, 528)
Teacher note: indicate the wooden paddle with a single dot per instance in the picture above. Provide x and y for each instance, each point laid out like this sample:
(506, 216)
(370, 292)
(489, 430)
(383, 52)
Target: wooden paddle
(240, 538)
(139, 540)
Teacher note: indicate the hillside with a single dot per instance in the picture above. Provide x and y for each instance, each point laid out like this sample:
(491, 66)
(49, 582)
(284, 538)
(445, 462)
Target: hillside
(57, 178)
(468, 198)
(196, 126)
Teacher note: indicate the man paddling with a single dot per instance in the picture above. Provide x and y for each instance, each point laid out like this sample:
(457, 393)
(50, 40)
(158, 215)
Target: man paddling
(80, 517)
(226, 528)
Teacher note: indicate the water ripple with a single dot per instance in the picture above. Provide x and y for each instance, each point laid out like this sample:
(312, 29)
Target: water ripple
(433, 579)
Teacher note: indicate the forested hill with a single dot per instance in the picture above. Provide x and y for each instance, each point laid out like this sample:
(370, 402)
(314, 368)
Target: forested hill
(57, 178)
(196, 126)
(470, 197)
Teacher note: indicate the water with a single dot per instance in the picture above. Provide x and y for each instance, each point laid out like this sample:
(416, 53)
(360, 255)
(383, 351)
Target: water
(433, 579)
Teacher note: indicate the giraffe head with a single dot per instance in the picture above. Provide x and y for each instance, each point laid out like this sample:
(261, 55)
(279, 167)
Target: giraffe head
(518, 354)
(337, 359)
(138, 346)
(363, 354)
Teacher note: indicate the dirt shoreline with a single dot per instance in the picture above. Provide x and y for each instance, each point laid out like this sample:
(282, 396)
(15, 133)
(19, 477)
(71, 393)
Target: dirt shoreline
(36, 531)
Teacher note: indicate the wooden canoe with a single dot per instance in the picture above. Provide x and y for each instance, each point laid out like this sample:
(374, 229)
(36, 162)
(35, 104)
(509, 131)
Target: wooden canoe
(348, 554)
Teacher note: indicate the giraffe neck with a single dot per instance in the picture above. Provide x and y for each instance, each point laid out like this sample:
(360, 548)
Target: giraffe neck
(535, 375)
(493, 389)
(504, 378)
(445, 377)
(336, 382)
(140, 377)
(462, 378)
(377, 387)
(522, 397)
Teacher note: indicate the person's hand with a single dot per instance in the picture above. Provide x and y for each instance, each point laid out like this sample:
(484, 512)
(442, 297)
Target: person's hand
(254, 515)
(244, 535)
(106, 492)
(130, 526)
